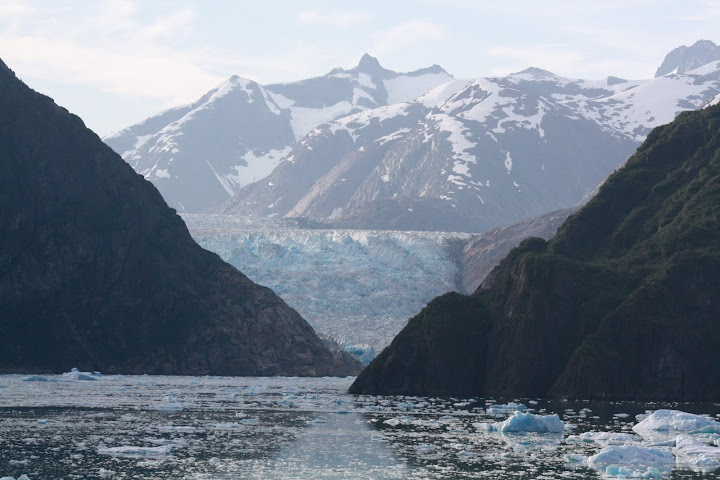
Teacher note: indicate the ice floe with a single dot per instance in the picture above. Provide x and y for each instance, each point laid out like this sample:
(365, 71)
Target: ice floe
(528, 422)
(605, 438)
(75, 374)
(137, 452)
(693, 454)
(37, 378)
(507, 408)
(632, 461)
(168, 407)
(662, 426)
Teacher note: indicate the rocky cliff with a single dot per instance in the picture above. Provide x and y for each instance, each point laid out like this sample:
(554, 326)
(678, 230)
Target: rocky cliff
(622, 303)
(97, 272)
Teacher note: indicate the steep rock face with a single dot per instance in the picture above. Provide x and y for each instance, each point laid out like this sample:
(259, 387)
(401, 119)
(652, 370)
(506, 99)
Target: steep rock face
(621, 303)
(481, 254)
(471, 155)
(200, 155)
(97, 272)
(683, 59)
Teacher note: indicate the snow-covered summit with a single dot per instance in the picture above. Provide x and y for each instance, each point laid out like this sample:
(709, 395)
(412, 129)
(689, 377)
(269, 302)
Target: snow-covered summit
(684, 58)
(199, 155)
(469, 155)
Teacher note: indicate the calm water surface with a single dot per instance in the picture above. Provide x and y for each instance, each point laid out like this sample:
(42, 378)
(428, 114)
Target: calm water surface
(131, 427)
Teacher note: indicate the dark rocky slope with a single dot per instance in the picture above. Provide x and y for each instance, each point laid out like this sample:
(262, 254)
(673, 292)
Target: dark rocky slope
(97, 272)
(623, 303)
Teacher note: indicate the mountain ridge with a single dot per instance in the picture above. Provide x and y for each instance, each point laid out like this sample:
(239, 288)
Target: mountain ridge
(472, 155)
(620, 304)
(97, 272)
(200, 154)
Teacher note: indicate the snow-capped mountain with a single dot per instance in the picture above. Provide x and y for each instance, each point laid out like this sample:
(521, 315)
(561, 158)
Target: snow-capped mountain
(684, 58)
(199, 155)
(473, 154)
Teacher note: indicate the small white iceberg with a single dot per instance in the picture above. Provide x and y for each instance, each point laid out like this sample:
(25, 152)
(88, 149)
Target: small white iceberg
(604, 438)
(137, 452)
(632, 461)
(168, 407)
(76, 375)
(693, 454)
(507, 408)
(179, 429)
(36, 378)
(662, 426)
(528, 422)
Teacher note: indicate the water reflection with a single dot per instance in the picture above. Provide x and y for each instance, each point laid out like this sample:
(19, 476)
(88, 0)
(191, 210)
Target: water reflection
(282, 428)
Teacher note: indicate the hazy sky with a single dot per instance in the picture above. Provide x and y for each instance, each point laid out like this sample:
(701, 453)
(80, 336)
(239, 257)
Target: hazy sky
(116, 62)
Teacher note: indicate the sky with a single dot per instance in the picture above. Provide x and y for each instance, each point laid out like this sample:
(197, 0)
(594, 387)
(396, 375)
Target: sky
(116, 62)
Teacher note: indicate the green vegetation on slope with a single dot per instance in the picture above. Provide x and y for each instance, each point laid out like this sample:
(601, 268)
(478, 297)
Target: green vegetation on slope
(624, 302)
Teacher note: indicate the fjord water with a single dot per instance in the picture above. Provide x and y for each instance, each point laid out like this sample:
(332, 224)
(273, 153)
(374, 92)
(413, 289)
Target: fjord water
(60, 426)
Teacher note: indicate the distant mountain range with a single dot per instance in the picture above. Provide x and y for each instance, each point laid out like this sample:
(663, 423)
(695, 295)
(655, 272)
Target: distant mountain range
(375, 149)
(199, 155)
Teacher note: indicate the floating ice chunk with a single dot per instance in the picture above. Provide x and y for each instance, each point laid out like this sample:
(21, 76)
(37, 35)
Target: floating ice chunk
(665, 425)
(137, 452)
(75, 374)
(179, 429)
(168, 407)
(484, 427)
(393, 422)
(507, 408)
(528, 422)
(632, 461)
(576, 460)
(696, 455)
(604, 438)
(36, 378)
(106, 473)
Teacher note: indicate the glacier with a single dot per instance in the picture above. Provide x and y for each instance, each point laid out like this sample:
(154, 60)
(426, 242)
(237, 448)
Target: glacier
(356, 287)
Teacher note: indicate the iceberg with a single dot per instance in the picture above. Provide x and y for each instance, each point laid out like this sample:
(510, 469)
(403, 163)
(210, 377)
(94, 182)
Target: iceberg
(137, 452)
(604, 438)
(36, 378)
(521, 422)
(662, 426)
(77, 375)
(168, 407)
(507, 408)
(528, 422)
(632, 461)
(693, 454)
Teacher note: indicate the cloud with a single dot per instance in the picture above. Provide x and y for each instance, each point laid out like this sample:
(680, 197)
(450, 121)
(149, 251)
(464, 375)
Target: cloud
(11, 7)
(335, 19)
(126, 56)
(404, 35)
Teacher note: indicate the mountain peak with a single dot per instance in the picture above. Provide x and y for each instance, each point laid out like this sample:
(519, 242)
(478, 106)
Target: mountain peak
(368, 63)
(684, 58)
(536, 72)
